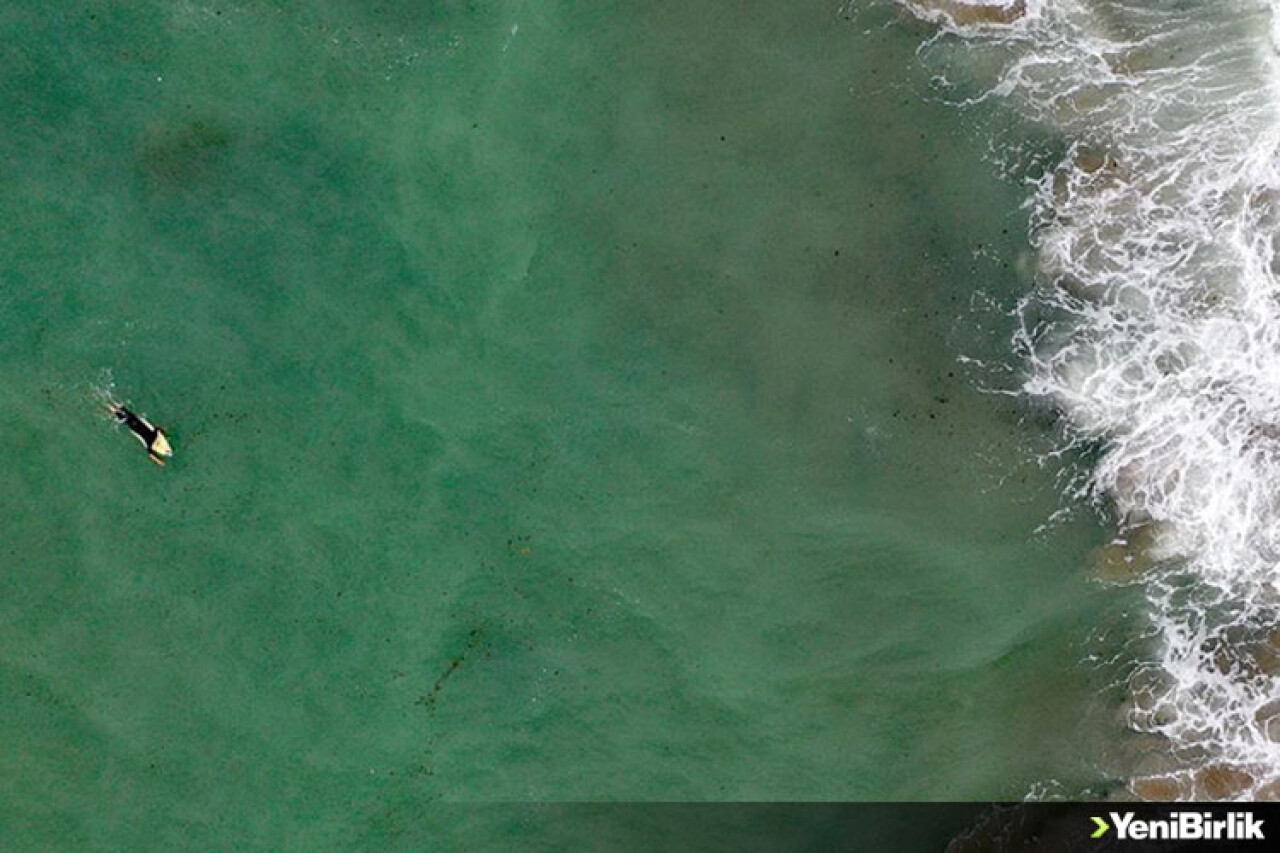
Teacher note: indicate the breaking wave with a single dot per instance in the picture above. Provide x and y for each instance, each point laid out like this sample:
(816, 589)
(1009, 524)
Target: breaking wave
(1154, 328)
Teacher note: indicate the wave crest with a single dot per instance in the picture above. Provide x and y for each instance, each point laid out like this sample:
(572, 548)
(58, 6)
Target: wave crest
(1154, 327)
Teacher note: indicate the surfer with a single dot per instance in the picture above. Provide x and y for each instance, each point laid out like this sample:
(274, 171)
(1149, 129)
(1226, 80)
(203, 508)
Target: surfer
(152, 437)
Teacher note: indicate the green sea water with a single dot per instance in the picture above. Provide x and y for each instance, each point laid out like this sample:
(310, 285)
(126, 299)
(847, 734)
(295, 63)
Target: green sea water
(567, 404)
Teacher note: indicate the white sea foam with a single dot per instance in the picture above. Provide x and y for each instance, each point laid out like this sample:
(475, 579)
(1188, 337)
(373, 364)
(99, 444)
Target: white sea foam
(1155, 329)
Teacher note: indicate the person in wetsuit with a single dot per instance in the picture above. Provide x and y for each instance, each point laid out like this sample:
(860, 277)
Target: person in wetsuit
(152, 438)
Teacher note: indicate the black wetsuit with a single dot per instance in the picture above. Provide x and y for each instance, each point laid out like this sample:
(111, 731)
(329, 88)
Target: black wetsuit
(136, 425)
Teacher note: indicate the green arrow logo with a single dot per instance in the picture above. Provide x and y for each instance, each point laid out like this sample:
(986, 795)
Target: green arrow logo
(1103, 826)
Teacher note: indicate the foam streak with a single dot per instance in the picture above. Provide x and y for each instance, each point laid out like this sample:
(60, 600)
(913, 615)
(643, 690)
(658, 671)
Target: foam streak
(1155, 328)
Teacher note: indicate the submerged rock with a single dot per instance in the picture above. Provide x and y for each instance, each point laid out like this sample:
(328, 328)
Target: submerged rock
(1268, 719)
(1219, 781)
(1088, 170)
(1241, 653)
(1222, 782)
(1127, 557)
(1164, 788)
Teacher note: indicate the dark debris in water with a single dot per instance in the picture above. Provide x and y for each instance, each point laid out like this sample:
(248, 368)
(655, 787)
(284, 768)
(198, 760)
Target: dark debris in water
(474, 639)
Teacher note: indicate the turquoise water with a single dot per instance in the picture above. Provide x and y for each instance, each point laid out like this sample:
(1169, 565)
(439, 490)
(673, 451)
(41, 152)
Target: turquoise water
(566, 406)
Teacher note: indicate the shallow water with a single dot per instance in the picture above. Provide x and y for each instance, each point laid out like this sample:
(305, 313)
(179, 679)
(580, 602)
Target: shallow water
(1152, 328)
(568, 405)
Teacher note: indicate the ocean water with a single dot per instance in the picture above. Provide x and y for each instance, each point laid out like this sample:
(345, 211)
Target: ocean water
(612, 404)
(1152, 328)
